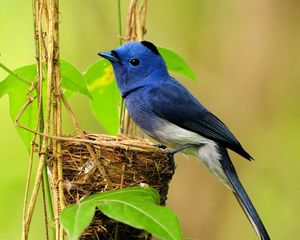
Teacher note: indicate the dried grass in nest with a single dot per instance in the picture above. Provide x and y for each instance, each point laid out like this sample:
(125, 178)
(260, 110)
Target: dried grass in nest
(128, 162)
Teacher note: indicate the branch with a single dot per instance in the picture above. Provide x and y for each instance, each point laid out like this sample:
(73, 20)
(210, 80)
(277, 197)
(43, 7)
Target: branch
(15, 75)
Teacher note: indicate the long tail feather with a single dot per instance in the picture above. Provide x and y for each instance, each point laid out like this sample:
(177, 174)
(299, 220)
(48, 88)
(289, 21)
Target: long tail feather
(242, 196)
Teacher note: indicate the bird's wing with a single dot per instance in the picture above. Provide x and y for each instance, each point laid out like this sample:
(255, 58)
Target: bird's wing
(173, 102)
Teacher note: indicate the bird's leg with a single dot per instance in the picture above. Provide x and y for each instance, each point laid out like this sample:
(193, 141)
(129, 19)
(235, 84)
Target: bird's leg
(181, 148)
(171, 153)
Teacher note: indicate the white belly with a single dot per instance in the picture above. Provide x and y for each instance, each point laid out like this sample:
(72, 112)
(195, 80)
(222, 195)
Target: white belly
(207, 150)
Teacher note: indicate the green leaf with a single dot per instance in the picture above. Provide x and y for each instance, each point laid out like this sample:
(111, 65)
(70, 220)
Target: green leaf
(76, 218)
(72, 79)
(16, 91)
(134, 193)
(136, 206)
(4, 86)
(106, 98)
(159, 221)
(176, 63)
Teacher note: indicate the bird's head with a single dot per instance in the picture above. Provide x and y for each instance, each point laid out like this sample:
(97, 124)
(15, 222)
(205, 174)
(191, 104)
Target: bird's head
(136, 64)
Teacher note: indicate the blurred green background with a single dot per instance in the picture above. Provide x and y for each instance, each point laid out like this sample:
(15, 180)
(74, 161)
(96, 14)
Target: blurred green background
(247, 57)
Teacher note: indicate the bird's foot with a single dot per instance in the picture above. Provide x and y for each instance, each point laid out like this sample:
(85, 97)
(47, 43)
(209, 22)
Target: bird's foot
(181, 148)
(169, 154)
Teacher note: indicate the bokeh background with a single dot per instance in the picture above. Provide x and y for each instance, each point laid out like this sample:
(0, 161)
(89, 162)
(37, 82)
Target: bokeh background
(247, 57)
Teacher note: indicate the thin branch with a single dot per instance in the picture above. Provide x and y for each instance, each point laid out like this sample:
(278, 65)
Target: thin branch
(120, 21)
(32, 150)
(139, 29)
(14, 74)
(143, 16)
(45, 209)
(42, 51)
(54, 73)
(23, 109)
(48, 198)
(43, 54)
(57, 114)
(42, 158)
(25, 228)
(128, 32)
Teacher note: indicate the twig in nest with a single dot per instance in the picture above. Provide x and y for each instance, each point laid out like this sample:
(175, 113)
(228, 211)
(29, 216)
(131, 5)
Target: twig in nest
(100, 167)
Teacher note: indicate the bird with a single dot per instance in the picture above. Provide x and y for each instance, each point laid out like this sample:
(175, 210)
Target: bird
(165, 110)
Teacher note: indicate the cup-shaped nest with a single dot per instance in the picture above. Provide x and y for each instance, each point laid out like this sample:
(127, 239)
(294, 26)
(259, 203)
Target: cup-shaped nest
(127, 161)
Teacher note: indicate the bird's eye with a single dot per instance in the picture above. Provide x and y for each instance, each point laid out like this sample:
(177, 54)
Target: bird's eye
(134, 61)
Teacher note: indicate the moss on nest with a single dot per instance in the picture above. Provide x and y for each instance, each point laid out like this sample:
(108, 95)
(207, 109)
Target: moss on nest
(128, 162)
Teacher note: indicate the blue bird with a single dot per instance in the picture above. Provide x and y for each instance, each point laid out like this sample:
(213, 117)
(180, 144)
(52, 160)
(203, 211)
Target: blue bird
(164, 109)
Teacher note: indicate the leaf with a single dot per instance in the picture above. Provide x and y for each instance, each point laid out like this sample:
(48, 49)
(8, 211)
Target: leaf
(76, 218)
(159, 221)
(176, 63)
(106, 98)
(136, 206)
(135, 193)
(16, 91)
(4, 86)
(72, 79)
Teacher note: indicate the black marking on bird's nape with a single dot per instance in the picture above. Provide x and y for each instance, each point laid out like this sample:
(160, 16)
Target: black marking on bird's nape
(150, 46)
(115, 54)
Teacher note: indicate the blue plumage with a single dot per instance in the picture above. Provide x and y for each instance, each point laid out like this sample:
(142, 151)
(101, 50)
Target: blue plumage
(169, 113)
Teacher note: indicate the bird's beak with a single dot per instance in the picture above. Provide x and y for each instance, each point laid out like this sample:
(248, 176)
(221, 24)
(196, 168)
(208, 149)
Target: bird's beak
(109, 56)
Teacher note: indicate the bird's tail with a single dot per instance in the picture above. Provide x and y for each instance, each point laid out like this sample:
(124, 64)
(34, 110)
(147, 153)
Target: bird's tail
(242, 196)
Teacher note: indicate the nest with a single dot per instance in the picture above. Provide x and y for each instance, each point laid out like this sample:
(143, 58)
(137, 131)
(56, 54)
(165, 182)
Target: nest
(128, 162)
